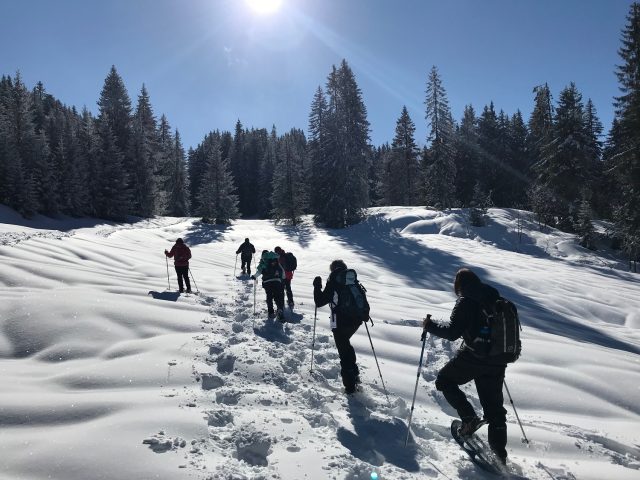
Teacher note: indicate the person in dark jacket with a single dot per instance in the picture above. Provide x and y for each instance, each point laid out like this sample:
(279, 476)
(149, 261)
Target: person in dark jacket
(246, 252)
(343, 328)
(288, 275)
(469, 364)
(181, 255)
(272, 282)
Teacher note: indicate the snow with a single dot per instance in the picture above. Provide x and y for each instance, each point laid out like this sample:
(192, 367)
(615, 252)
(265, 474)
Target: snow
(106, 374)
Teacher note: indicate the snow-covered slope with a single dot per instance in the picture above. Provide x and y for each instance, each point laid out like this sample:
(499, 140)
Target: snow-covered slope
(106, 374)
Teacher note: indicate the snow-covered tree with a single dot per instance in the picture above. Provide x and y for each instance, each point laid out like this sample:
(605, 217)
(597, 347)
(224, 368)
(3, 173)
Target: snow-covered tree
(401, 177)
(144, 152)
(178, 204)
(289, 197)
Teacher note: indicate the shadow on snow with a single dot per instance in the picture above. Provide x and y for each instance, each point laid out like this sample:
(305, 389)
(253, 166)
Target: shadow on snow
(169, 296)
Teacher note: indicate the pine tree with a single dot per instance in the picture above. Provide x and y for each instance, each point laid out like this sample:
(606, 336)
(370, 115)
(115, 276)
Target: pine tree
(565, 168)
(88, 152)
(627, 161)
(144, 152)
(178, 192)
(584, 227)
(343, 143)
(540, 123)
(519, 178)
(318, 151)
(165, 166)
(266, 173)
(217, 202)
(115, 110)
(467, 157)
(289, 196)
(111, 197)
(403, 167)
(440, 165)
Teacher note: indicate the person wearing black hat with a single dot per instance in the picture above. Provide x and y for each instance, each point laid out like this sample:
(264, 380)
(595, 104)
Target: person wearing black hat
(246, 252)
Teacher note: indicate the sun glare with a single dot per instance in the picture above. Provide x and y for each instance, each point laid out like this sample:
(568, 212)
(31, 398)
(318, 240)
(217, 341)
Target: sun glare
(264, 6)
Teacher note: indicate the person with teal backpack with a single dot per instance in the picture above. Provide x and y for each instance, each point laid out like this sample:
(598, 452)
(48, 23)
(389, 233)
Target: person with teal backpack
(273, 276)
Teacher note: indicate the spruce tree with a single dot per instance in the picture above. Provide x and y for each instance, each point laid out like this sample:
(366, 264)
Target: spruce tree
(289, 198)
(319, 151)
(178, 205)
(565, 167)
(403, 167)
(111, 200)
(627, 161)
(467, 157)
(144, 153)
(217, 202)
(266, 173)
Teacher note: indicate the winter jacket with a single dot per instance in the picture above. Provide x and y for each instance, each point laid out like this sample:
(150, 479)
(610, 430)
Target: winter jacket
(330, 295)
(283, 262)
(180, 254)
(466, 319)
(246, 250)
(270, 273)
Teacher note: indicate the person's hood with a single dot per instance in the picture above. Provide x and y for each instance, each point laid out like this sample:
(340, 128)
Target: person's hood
(481, 293)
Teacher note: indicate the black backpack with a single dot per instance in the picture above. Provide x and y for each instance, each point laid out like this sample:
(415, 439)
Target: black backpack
(500, 333)
(290, 262)
(271, 270)
(352, 297)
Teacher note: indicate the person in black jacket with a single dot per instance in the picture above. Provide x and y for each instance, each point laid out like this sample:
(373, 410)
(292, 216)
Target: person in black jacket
(469, 364)
(343, 327)
(246, 250)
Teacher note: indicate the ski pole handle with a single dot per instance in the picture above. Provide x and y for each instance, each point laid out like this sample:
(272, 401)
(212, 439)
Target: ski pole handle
(427, 320)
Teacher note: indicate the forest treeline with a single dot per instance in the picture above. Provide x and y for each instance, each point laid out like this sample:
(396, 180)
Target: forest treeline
(125, 161)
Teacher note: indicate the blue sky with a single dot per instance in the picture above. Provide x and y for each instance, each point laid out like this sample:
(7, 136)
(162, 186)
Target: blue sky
(207, 63)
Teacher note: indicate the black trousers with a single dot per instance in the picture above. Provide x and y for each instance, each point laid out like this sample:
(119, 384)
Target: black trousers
(348, 367)
(488, 380)
(183, 273)
(275, 292)
(246, 264)
(287, 288)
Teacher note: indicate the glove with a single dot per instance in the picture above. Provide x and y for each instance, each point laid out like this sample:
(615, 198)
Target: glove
(425, 323)
(317, 282)
(166, 252)
(253, 277)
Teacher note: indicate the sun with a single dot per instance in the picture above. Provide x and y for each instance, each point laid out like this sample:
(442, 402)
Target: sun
(264, 7)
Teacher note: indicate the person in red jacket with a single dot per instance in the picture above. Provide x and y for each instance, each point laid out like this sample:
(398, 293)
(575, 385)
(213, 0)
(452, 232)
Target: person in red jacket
(288, 275)
(181, 255)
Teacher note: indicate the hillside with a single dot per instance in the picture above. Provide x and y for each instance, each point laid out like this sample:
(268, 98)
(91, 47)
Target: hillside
(107, 374)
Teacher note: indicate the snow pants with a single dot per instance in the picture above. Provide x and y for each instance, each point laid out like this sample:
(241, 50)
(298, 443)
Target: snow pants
(488, 379)
(348, 367)
(287, 288)
(275, 292)
(246, 264)
(183, 273)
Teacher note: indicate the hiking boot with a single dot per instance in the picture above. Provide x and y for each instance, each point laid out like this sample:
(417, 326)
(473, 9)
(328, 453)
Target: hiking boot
(181, 290)
(280, 315)
(271, 315)
(350, 389)
(243, 272)
(470, 426)
(291, 305)
(188, 290)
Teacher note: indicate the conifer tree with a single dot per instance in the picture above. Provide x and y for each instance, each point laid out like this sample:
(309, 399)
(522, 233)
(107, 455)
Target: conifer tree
(178, 204)
(111, 200)
(440, 168)
(402, 170)
(289, 196)
(627, 161)
(319, 151)
(467, 157)
(217, 202)
(144, 156)
(565, 167)
(266, 173)
(88, 152)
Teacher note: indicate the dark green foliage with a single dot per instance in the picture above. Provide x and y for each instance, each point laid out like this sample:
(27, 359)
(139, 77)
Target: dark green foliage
(289, 197)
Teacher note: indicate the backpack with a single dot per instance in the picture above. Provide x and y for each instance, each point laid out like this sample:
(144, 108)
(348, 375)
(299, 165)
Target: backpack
(352, 297)
(290, 262)
(500, 333)
(271, 270)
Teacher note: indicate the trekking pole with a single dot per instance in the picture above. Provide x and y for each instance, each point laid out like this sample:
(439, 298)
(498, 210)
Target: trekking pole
(376, 358)
(194, 281)
(168, 283)
(255, 282)
(526, 440)
(235, 265)
(415, 390)
(313, 342)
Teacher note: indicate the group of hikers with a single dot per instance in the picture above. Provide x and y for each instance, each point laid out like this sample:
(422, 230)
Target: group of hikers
(349, 309)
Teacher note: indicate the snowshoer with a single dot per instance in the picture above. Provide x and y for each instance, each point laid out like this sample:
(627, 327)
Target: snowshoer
(487, 372)
(283, 258)
(272, 282)
(246, 252)
(181, 255)
(343, 324)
